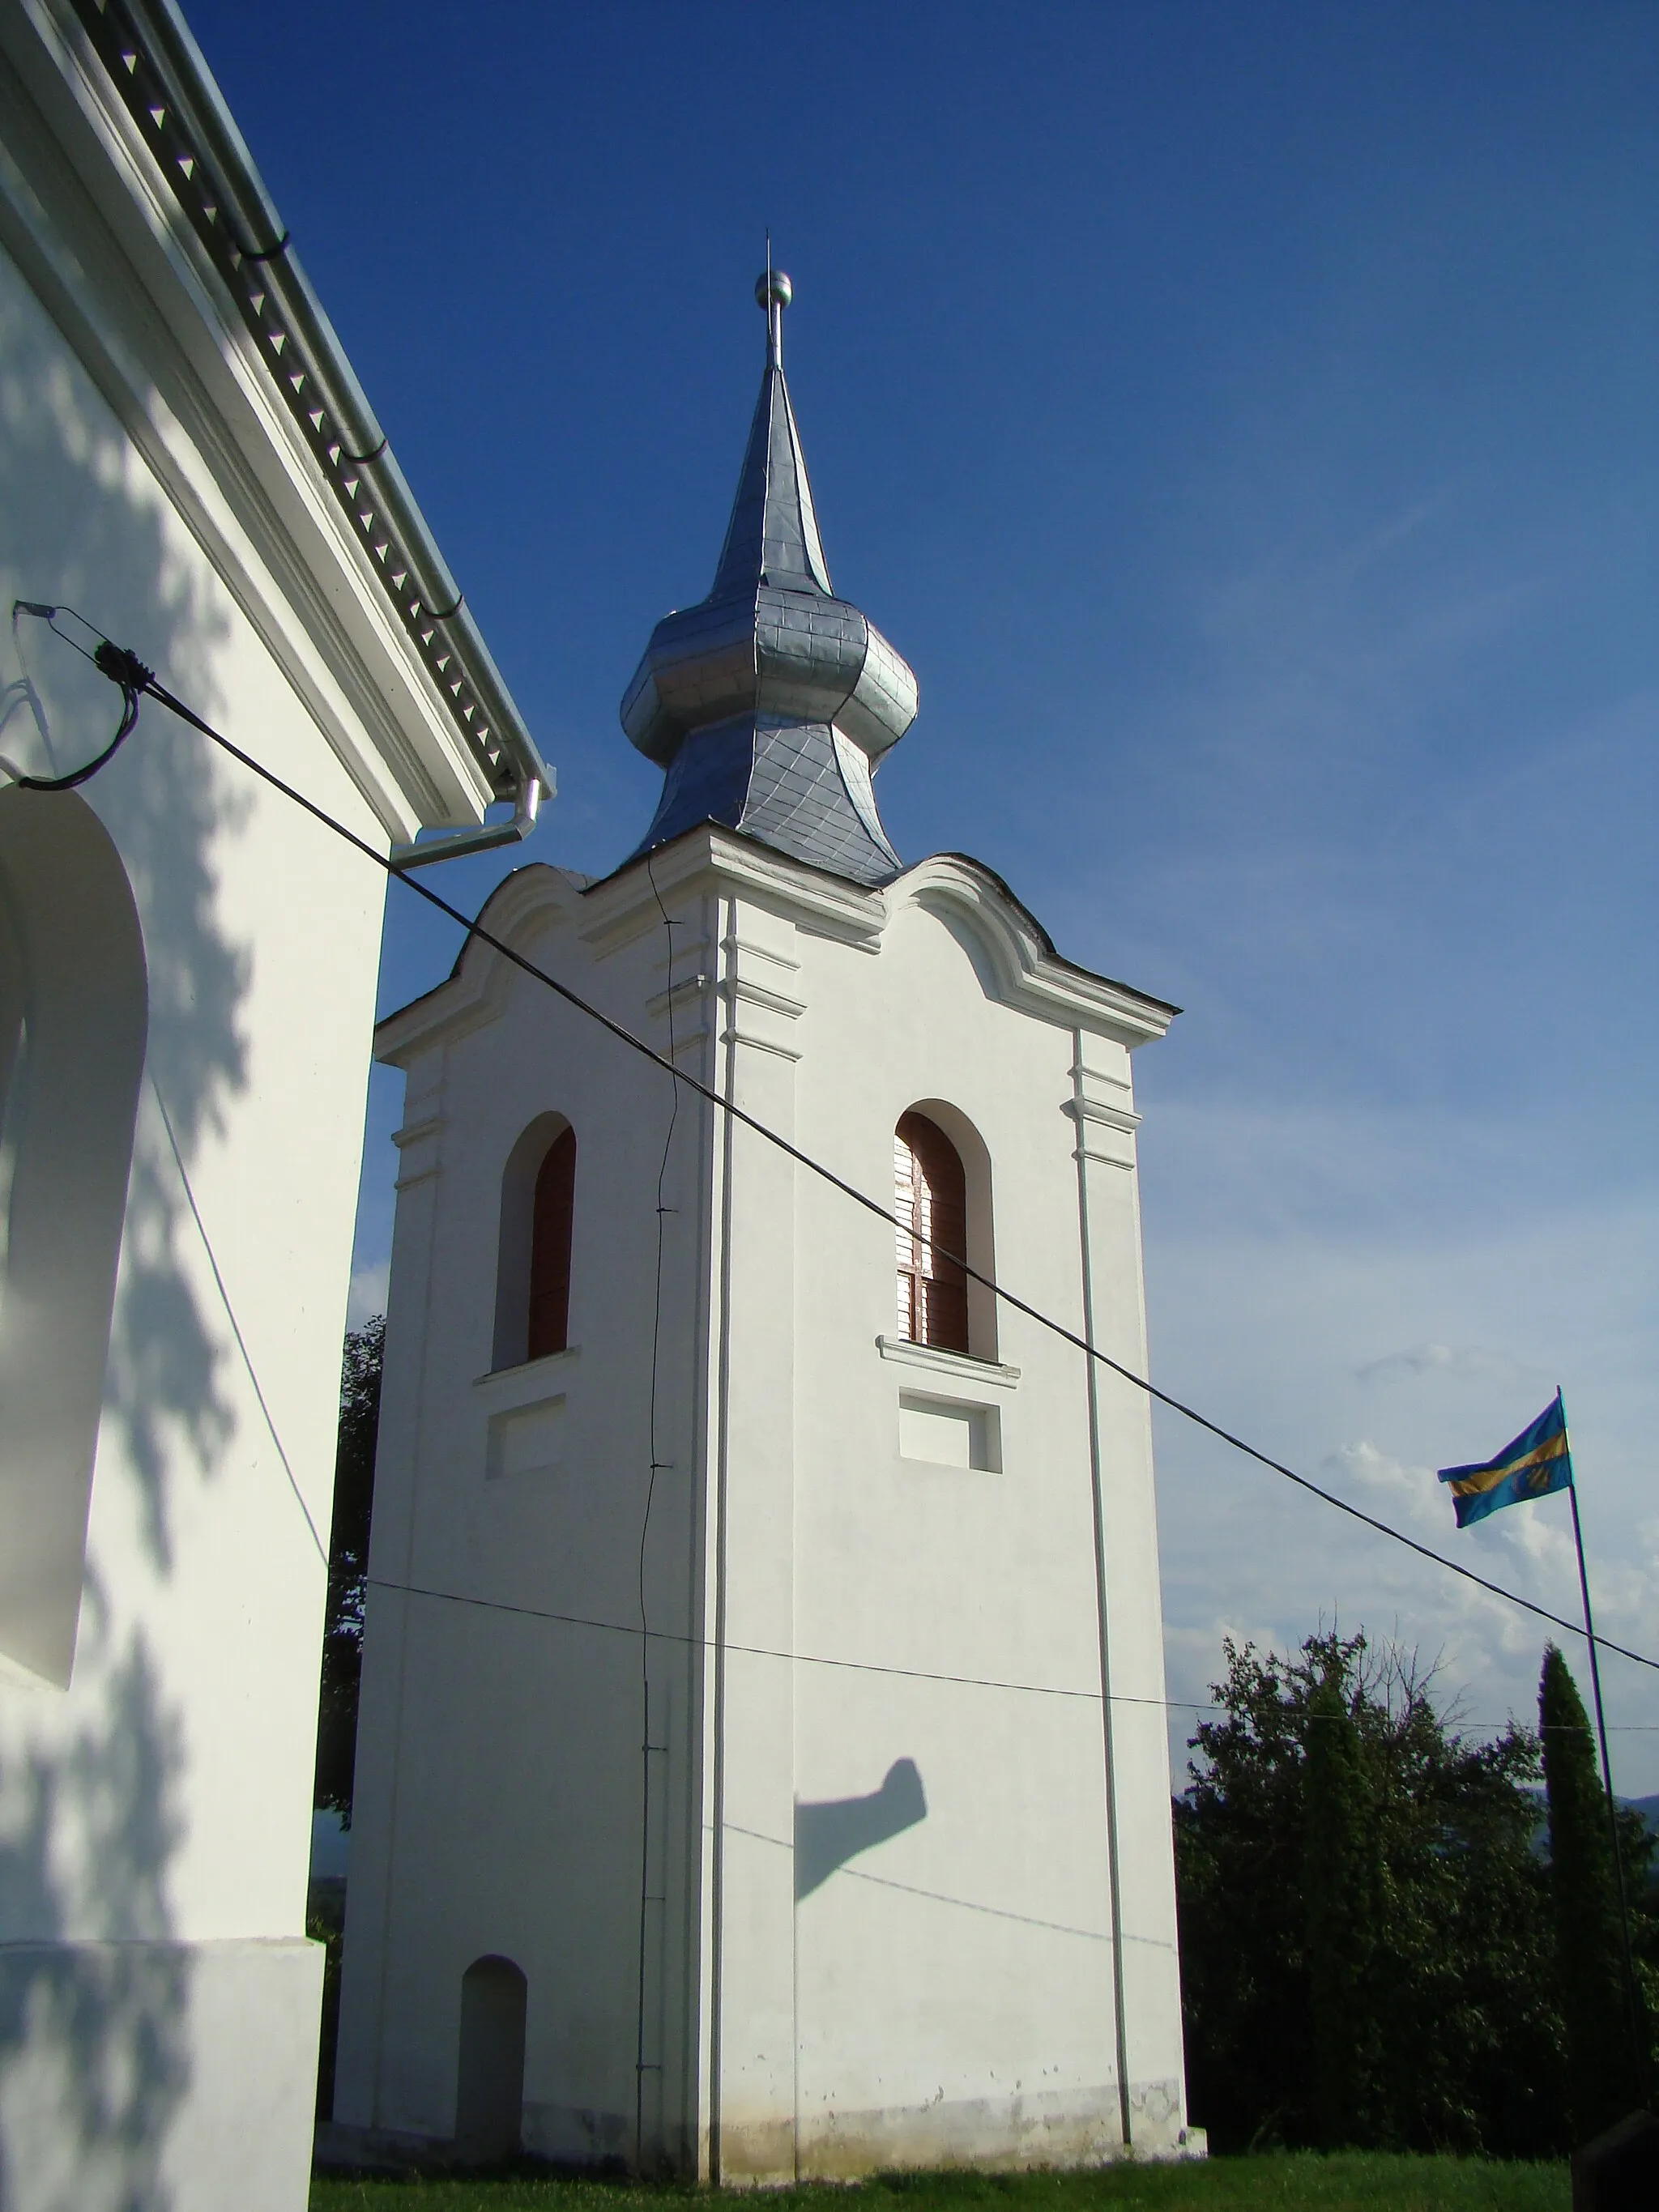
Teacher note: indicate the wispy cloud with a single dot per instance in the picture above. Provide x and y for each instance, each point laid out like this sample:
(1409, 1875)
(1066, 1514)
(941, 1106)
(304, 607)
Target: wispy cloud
(367, 1297)
(1448, 1359)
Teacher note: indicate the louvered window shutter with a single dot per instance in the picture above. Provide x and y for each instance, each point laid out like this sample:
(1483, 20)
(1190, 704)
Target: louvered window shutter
(930, 1197)
(549, 1248)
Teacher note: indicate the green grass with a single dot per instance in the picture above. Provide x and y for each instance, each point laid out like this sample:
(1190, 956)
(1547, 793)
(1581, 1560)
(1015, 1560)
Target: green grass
(1285, 2182)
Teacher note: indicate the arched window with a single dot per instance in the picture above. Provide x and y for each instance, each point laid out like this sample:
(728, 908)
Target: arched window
(930, 1197)
(74, 1015)
(549, 1248)
(533, 1276)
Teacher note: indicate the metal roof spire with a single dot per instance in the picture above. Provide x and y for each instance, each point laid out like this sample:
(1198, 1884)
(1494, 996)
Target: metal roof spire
(773, 535)
(770, 702)
(774, 293)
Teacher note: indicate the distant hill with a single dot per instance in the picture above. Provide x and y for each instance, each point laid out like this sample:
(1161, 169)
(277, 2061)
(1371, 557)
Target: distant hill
(1647, 1806)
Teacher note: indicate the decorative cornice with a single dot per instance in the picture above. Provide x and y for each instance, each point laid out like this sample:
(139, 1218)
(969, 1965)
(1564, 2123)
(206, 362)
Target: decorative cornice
(1025, 971)
(474, 993)
(1105, 1128)
(1016, 961)
(420, 1152)
(1095, 1109)
(137, 58)
(624, 906)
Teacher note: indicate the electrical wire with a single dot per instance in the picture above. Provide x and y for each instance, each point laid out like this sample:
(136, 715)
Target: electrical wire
(124, 669)
(473, 928)
(703, 1643)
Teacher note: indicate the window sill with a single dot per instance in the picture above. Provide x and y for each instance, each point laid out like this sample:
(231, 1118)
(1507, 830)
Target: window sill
(505, 1388)
(960, 1366)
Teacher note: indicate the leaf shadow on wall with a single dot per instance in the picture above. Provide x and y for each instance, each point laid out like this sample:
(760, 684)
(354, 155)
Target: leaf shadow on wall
(96, 1981)
(81, 526)
(94, 2052)
(830, 1833)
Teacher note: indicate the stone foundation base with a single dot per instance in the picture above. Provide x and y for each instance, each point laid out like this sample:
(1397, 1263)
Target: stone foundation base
(996, 2135)
(1006, 2135)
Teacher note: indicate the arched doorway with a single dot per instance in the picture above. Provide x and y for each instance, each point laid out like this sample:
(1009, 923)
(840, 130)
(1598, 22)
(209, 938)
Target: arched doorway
(489, 2088)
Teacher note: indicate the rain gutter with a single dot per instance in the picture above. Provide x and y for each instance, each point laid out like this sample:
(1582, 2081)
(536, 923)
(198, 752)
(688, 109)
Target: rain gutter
(157, 72)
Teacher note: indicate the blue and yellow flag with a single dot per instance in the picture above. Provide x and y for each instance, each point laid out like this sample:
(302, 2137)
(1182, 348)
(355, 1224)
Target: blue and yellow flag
(1537, 1463)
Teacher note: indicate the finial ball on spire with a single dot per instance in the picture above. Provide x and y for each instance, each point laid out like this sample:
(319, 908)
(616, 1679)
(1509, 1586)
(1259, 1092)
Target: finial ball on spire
(772, 289)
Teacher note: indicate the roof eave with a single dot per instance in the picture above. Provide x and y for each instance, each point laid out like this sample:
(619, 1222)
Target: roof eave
(137, 57)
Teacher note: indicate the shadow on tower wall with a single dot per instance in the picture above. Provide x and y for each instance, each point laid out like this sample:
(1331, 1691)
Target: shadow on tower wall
(93, 2043)
(826, 1835)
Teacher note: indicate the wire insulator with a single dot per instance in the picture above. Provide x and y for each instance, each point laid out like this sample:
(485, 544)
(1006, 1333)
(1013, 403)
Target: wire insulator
(122, 667)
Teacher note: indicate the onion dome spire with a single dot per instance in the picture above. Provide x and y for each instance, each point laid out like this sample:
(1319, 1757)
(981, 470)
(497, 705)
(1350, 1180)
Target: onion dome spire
(773, 536)
(771, 701)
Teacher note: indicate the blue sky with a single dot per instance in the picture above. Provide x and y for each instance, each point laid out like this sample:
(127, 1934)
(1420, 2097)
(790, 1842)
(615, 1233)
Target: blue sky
(1242, 419)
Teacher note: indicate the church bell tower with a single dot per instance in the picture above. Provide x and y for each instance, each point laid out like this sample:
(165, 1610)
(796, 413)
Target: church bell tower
(762, 1769)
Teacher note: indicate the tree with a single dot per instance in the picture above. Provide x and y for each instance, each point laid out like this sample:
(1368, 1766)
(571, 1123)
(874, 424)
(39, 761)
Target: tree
(1456, 2039)
(348, 1567)
(1604, 2073)
(1342, 1882)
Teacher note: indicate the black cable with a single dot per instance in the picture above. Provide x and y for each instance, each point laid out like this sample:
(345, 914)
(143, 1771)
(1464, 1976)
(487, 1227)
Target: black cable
(476, 929)
(755, 1651)
(875, 1667)
(125, 670)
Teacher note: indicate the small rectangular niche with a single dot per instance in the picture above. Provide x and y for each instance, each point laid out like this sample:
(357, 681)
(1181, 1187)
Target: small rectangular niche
(525, 1441)
(944, 1433)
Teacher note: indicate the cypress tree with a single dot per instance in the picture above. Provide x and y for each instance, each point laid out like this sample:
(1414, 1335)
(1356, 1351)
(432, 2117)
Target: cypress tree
(1342, 1900)
(1601, 2067)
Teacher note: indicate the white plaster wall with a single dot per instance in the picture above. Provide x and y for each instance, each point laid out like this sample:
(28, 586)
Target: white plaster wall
(947, 1993)
(163, 1799)
(999, 1995)
(990, 2019)
(499, 1784)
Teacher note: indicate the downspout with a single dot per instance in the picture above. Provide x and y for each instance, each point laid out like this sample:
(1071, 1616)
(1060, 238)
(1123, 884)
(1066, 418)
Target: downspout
(456, 842)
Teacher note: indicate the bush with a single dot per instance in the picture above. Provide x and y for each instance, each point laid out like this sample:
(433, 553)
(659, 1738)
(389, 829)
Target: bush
(1386, 1893)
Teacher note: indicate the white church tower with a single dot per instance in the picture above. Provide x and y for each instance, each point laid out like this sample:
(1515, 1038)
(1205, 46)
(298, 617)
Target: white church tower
(762, 1767)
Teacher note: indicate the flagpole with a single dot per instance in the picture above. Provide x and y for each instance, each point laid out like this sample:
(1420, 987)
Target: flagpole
(1637, 2049)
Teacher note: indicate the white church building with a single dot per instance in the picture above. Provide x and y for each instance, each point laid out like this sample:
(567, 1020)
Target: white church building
(187, 977)
(762, 1767)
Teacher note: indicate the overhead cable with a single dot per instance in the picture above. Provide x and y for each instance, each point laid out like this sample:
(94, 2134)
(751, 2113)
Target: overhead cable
(689, 1641)
(474, 929)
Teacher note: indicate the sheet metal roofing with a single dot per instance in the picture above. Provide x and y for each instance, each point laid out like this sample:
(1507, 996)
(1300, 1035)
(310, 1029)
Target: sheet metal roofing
(770, 702)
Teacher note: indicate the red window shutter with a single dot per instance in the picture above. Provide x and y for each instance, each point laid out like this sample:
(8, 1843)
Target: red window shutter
(930, 1197)
(549, 1248)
